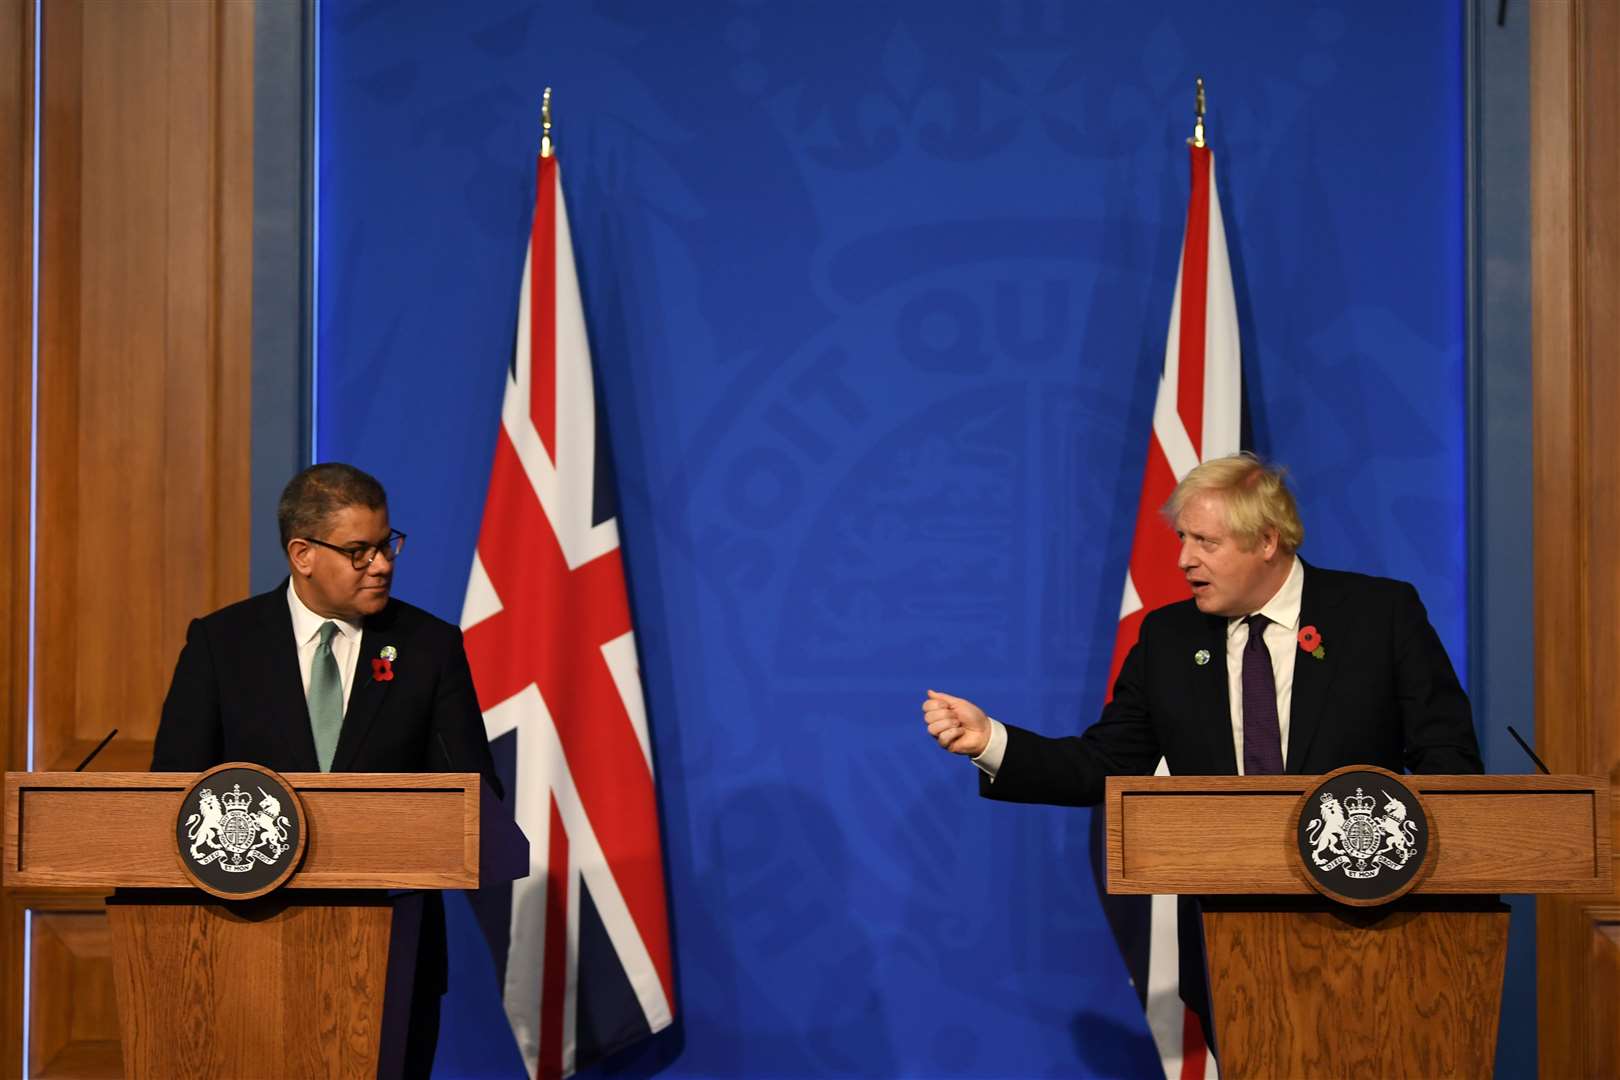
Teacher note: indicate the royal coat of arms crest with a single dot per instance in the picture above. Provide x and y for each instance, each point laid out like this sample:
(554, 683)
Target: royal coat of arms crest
(230, 830)
(1348, 835)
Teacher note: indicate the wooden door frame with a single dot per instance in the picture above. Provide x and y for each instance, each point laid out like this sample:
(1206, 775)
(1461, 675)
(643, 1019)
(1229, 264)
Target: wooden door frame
(1575, 276)
(16, 432)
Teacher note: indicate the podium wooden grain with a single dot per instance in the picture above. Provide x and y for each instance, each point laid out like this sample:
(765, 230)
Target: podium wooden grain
(366, 830)
(1327, 991)
(1303, 987)
(295, 983)
(294, 989)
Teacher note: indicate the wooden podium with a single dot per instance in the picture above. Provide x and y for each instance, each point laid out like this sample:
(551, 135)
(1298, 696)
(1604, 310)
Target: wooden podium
(313, 979)
(1301, 986)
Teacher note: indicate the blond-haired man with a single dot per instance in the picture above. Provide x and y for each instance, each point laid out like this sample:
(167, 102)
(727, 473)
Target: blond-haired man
(1272, 665)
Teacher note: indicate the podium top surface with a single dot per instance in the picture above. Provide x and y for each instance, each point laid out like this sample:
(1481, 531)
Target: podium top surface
(366, 831)
(1235, 834)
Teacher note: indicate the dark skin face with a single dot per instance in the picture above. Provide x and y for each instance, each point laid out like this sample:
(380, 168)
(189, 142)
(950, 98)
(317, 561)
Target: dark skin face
(326, 580)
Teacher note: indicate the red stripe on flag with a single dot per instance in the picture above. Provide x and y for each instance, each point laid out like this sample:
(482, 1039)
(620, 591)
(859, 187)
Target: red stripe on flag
(1153, 556)
(543, 307)
(1154, 548)
(554, 963)
(1192, 1046)
(1194, 289)
(549, 633)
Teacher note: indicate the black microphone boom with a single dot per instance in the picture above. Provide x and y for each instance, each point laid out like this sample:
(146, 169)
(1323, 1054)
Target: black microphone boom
(1520, 739)
(99, 747)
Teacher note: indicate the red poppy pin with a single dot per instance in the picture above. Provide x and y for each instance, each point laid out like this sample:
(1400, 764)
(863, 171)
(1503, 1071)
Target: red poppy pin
(382, 668)
(1310, 640)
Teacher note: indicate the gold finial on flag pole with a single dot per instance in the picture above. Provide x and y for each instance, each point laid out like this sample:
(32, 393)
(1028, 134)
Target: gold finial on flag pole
(546, 147)
(1198, 123)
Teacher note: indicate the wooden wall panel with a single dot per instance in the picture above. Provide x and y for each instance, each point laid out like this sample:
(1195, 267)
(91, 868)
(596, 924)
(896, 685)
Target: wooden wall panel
(16, 305)
(1575, 287)
(145, 385)
(1598, 156)
(1603, 1053)
(143, 425)
(75, 1026)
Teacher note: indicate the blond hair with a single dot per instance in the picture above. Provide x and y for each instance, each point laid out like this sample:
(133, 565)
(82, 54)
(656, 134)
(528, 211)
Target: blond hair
(1253, 494)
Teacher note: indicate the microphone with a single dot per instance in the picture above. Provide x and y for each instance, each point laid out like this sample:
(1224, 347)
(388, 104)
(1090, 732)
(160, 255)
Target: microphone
(99, 747)
(497, 788)
(1520, 740)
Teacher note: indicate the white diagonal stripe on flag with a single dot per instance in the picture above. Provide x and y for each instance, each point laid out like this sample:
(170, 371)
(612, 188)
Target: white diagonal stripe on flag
(1200, 386)
(549, 637)
(564, 486)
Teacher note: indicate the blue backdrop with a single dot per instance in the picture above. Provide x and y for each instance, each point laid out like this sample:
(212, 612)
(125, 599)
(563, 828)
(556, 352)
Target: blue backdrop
(878, 296)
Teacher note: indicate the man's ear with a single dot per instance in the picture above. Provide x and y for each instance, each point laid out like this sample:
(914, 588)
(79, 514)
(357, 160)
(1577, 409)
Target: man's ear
(1269, 543)
(301, 556)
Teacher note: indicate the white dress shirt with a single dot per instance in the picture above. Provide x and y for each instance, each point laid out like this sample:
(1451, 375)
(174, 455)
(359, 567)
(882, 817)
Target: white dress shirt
(1281, 637)
(307, 636)
(1282, 642)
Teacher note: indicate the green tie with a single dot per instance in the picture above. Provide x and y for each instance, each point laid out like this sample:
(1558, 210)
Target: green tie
(325, 698)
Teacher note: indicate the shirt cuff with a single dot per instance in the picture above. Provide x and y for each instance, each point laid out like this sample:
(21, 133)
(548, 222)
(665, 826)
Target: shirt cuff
(989, 759)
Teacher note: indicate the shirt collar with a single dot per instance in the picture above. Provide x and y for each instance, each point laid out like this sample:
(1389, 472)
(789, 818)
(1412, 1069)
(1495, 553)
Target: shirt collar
(306, 624)
(1283, 607)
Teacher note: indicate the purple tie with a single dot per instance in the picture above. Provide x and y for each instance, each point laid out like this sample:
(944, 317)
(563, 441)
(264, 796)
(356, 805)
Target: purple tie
(1262, 735)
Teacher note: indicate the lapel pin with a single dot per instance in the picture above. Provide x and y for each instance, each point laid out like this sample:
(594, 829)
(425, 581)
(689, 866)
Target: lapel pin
(389, 653)
(1201, 657)
(1310, 640)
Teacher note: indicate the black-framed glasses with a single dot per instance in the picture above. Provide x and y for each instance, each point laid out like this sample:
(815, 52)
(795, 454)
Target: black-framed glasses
(363, 555)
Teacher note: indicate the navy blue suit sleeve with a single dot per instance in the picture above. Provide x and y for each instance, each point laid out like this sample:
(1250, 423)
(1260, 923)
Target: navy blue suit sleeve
(1072, 771)
(458, 721)
(1437, 724)
(189, 736)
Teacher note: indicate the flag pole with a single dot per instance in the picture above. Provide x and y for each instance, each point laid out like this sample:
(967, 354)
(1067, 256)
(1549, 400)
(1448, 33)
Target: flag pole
(1198, 122)
(546, 147)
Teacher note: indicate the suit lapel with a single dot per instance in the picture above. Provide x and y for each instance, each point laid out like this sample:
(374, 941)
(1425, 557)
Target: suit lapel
(284, 686)
(1313, 678)
(367, 694)
(1215, 691)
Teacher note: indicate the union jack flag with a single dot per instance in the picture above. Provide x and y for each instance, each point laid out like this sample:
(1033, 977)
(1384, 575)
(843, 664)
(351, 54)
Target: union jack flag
(1196, 416)
(582, 944)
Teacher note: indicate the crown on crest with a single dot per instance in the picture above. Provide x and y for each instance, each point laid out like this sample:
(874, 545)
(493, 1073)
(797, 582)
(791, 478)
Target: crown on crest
(237, 799)
(1356, 804)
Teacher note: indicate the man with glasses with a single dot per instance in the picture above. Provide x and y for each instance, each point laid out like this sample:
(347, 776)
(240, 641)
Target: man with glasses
(327, 672)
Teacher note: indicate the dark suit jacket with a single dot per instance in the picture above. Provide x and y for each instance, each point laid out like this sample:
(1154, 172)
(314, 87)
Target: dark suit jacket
(1384, 693)
(237, 695)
